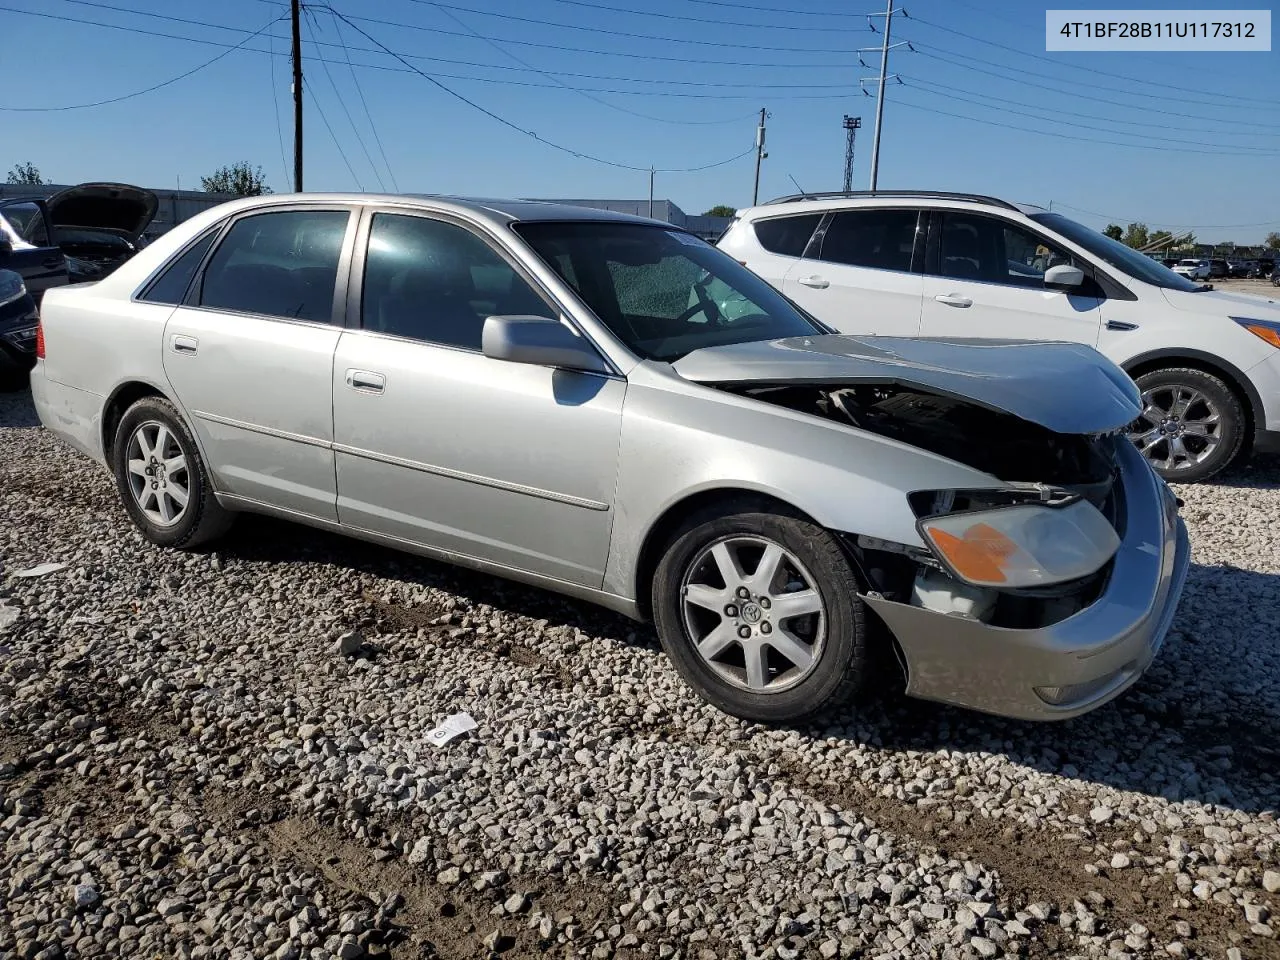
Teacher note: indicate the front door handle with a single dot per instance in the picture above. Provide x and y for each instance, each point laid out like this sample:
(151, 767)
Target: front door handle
(1121, 325)
(183, 344)
(54, 261)
(816, 282)
(953, 300)
(366, 381)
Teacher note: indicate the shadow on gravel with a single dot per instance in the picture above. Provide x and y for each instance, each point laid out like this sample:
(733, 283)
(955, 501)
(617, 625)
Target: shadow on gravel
(17, 409)
(1202, 725)
(1260, 472)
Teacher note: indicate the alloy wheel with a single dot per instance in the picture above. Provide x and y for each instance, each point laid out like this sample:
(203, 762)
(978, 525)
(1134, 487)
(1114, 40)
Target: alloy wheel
(753, 613)
(1179, 427)
(159, 476)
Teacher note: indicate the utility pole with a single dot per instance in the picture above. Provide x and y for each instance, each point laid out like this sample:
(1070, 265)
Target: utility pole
(297, 96)
(851, 125)
(651, 173)
(885, 47)
(760, 155)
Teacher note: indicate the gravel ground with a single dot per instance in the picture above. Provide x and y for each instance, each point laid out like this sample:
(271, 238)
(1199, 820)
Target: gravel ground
(191, 766)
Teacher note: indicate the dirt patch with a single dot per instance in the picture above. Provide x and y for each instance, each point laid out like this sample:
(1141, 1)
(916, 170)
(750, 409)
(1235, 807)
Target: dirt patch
(403, 616)
(1043, 865)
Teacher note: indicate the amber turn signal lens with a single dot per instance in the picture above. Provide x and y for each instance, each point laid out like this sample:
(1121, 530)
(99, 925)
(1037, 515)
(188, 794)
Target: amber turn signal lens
(1269, 334)
(979, 554)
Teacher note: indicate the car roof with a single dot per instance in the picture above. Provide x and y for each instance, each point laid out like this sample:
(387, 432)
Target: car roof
(812, 203)
(495, 211)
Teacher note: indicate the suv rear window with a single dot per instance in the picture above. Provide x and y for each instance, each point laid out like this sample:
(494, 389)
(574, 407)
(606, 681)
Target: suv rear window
(787, 236)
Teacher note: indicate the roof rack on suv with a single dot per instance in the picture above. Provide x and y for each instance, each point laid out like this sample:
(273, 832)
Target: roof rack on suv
(930, 194)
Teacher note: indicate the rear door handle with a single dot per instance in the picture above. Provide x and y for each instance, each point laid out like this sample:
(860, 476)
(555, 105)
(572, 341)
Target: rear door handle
(366, 381)
(183, 344)
(952, 300)
(816, 282)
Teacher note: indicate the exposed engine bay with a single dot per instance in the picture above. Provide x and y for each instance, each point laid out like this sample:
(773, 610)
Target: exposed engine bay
(1038, 464)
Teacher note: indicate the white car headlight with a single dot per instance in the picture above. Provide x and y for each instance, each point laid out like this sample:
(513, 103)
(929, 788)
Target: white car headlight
(11, 287)
(1022, 546)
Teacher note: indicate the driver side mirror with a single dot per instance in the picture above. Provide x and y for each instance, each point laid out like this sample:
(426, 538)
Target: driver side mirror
(1063, 277)
(540, 341)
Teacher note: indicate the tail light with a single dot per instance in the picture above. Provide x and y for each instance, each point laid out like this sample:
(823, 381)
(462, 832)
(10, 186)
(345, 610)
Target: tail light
(39, 340)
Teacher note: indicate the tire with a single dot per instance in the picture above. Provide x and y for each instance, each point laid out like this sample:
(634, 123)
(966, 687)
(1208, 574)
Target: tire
(1210, 430)
(154, 424)
(835, 637)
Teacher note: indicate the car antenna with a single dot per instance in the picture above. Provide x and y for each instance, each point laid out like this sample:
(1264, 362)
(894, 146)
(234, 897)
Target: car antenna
(797, 183)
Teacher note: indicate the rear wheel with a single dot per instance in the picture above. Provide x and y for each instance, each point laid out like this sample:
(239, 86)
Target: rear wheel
(1191, 425)
(759, 611)
(162, 480)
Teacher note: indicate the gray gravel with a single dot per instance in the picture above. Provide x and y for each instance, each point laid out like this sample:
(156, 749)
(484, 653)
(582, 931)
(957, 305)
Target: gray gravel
(226, 755)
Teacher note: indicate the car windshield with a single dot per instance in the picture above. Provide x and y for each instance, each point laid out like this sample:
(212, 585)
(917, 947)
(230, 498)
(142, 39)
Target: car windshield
(664, 293)
(1135, 264)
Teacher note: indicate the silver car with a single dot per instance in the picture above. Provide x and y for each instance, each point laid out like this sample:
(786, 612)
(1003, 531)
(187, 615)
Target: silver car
(611, 408)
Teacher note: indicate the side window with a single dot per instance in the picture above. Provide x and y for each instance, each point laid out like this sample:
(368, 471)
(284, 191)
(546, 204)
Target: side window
(281, 264)
(787, 236)
(994, 251)
(171, 286)
(883, 239)
(435, 281)
(28, 220)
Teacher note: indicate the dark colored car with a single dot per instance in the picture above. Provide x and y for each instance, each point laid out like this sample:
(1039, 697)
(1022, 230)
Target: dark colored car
(99, 224)
(1275, 274)
(38, 262)
(1265, 268)
(17, 330)
(1242, 268)
(1219, 269)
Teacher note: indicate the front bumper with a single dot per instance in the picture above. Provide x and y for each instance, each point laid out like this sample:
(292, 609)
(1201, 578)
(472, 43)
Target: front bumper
(1070, 667)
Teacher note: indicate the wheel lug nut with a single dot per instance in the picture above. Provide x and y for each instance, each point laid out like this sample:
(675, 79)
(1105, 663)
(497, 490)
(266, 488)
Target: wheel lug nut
(764, 602)
(766, 627)
(731, 610)
(744, 632)
(743, 593)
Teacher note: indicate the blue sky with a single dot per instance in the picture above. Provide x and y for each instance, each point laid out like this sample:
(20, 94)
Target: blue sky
(1174, 139)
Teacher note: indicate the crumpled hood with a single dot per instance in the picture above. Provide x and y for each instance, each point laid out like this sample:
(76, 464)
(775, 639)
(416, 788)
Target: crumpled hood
(1222, 303)
(1064, 387)
(119, 207)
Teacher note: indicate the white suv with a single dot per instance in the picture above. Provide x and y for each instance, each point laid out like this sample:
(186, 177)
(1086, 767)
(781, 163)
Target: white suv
(1192, 269)
(925, 264)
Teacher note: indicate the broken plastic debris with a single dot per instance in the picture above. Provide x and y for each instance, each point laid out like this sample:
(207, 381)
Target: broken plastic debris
(453, 726)
(40, 571)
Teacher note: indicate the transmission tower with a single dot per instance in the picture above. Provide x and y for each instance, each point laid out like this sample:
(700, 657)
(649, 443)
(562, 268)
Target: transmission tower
(851, 125)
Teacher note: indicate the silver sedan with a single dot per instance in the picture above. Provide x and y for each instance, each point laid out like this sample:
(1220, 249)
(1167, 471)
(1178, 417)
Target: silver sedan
(611, 408)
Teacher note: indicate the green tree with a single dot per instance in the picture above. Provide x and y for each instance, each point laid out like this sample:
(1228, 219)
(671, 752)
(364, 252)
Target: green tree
(239, 179)
(1135, 235)
(1114, 231)
(1273, 241)
(720, 210)
(1161, 237)
(25, 173)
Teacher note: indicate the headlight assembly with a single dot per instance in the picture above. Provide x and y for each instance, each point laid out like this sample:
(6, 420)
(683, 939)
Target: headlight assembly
(1262, 329)
(1022, 546)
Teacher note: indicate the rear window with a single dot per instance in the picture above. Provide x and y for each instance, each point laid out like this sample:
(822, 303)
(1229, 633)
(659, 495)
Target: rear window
(787, 236)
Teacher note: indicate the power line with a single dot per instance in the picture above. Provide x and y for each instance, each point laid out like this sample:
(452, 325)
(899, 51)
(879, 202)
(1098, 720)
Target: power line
(343, 104)
(1065, 136)
(791, 13)
(1174, 226)
(337, 28)
(1023, 81)
(275, 102)
(529, 133)
(584, 93)
(950, 88)
(1264, 151)
(342, 153)
(952, 31)
(137, 93)
(713, 21)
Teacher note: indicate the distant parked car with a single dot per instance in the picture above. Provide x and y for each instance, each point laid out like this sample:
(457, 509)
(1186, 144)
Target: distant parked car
(1264, 268)
(1219, 269)
(40, 265)
(1242, 268)
(1192, 269)
(18, 320)
(1275, 274)
(97, 223)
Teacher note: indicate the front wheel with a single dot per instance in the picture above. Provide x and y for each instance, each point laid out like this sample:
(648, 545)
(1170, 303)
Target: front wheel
(759, 611)
(162, 481)
(1191, 426)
